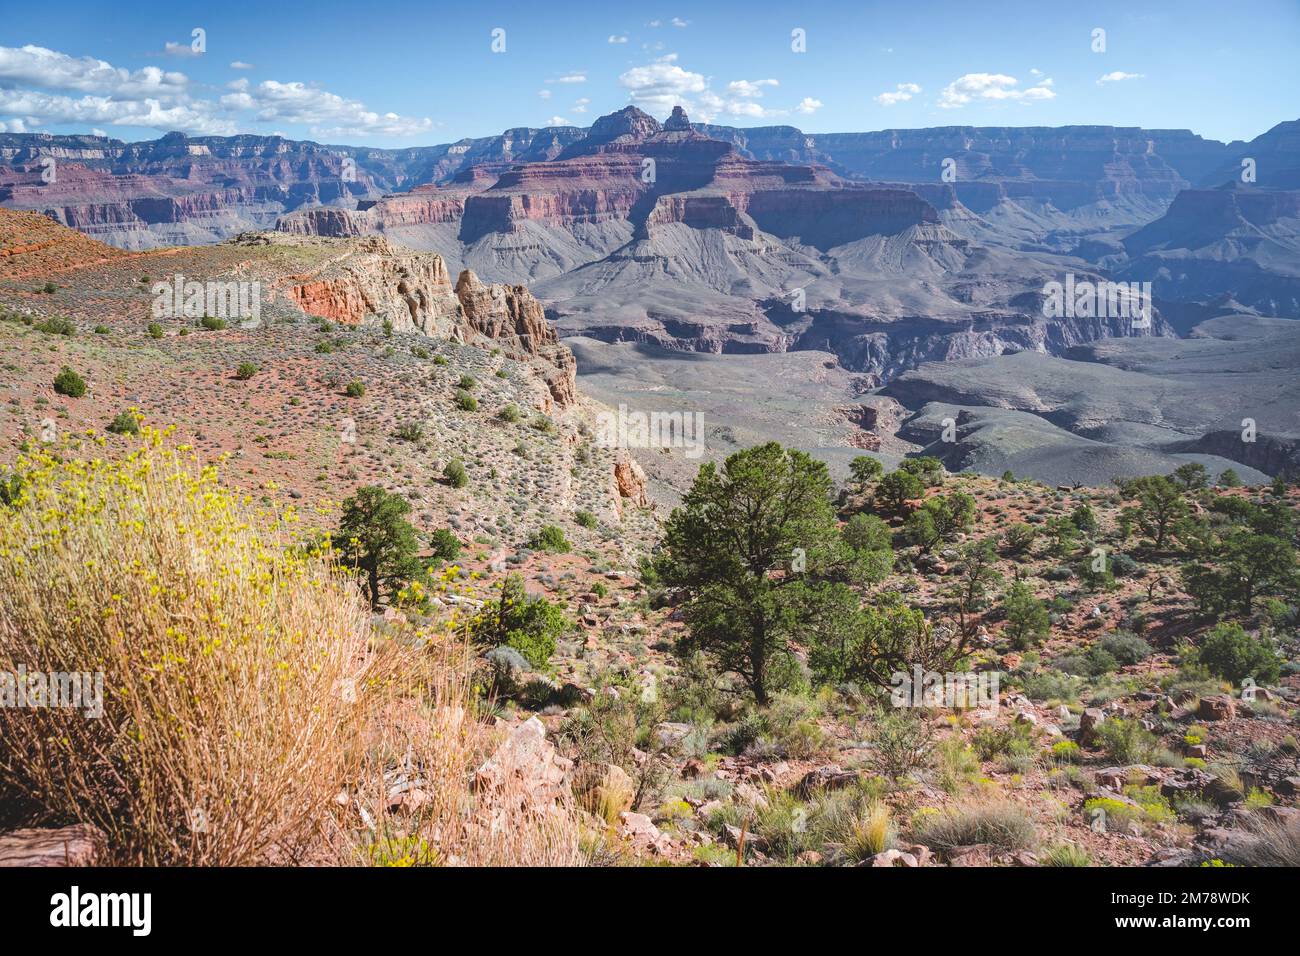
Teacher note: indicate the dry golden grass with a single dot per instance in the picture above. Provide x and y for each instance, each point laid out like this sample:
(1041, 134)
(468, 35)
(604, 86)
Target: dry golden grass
(250, 713)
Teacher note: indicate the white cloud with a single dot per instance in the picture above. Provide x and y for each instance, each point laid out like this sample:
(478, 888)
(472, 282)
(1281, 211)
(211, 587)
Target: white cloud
(198, 117)
(808, 105)
(558, 121)
(48, 69)
(577, 76)
(751, 89)
(989, 86)
(241, 65)
(180, 49)
(581, 105)
(544, 94)
(901, 94)
(13, 126)
(613, 38)
(679, 22)
(328, 113)
(1119, 76)
(96, 131)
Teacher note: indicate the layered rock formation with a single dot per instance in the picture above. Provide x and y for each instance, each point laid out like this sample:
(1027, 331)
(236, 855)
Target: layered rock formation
(369, 280)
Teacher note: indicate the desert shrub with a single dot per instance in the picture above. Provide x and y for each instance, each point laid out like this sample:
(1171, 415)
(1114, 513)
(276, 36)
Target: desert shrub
(69, 383)
(529, 623)
(585, 519)
(144, 576)
(455, 474)
(901, 742)
(1051, 685)
(1019, 538)
(1028, 621)
(1126, 741)
(154, 330)
(125, 423)
(410, 431)
(466, 382)
(1002, 825)
(212, 323)
(1065, 854)
(550, 538)
(1271, 843)
(355, 389)
(56, 325)
(445, 545)
(245, 371)
(1125, 648)
(1228, 651)
(510, 413)
(465, 401)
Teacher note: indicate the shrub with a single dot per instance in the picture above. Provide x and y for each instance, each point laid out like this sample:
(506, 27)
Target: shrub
(529, 624)
(154, 330)
(550, 538)
(1066, 854)
(440, 360)
(445, 545)
(1002, 825)
(1125, 648)
(1028, 622)
(375, 538)
(126, 423)
(466, 382)
(410, 431)
(465, 401)
(454, 473)
(137, 560)
(1126, 741)
(69, 383)
(585, 519)
(56, 325)
(1233, 654)
(901, 742)
(212, 324)
(509, 414)
(355, 389)
(245, 371)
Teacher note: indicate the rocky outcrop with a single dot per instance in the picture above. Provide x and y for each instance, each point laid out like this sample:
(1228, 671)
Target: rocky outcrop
(370, 280)
(514, 320)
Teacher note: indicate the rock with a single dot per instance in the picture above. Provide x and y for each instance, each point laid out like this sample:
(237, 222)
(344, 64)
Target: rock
(1199, 751)
(629, 479)
(604, 788)
(640, 831)
(892, 858)
(979, 854)
(526, 761)
(1289, 786)
(692, 769)
(78, 845)
(733, 836)
(1221, 707)
(669, 734)
(809, 858)
(1091, 719)
(827, 777)
(921, 852)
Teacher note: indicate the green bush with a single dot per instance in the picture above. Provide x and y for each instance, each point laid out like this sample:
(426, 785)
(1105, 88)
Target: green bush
(245, 371)
(1233, 654)
(465, 401)
(69, 383)
(455, 473)
(445, 545)
(585, 518)
(1125, 648)
(530, 624)
(355, 389)
(550, 538)
(1126, 741)
(154, 330)
(126, 423)
(466, 382)
(212, 324)
(509, 414)
(56, 325)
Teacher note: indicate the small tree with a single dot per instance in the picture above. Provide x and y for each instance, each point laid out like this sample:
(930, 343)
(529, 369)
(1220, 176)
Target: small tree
(1191, 476)
(976, 573)
(1160, 506)
(896, 488)
(1231, 653)
(1019, 538)
(550, 538)
(454, 473)
(445, 545)
(929, 469)
(755, 552)
(865, 470)
(1027, 618)
(530, 624)
(69, 383)
(375, 538)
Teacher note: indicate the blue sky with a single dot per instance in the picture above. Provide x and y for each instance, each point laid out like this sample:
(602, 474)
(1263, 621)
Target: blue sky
(399, 73)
